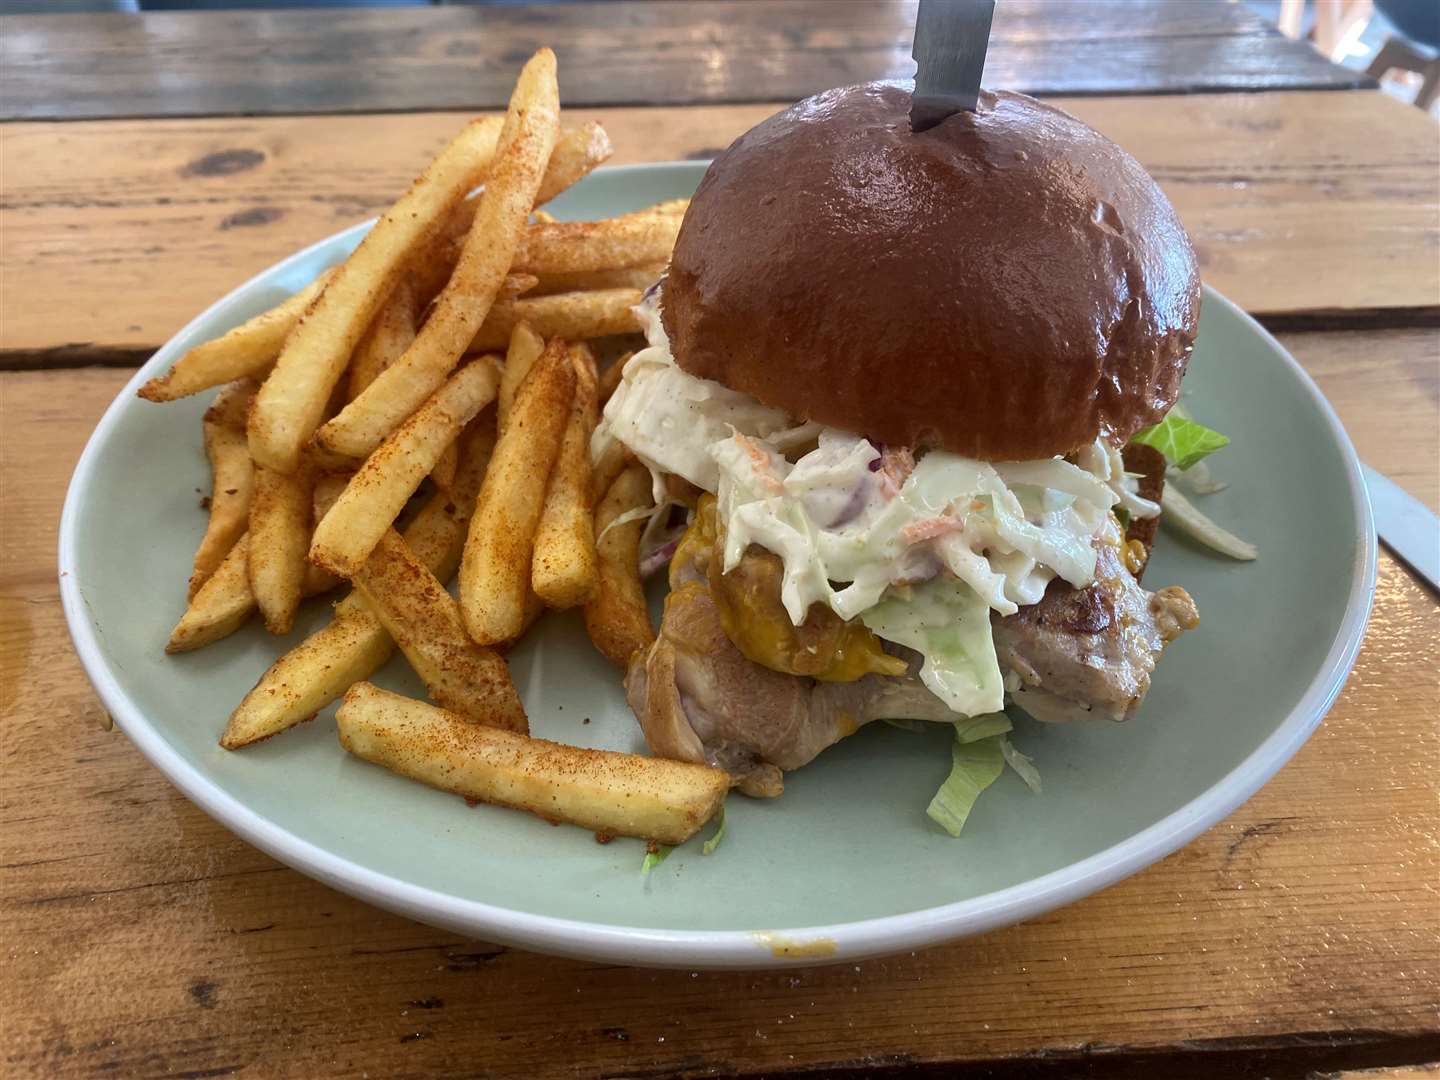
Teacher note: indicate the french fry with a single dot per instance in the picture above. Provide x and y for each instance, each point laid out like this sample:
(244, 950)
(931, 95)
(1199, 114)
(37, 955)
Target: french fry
(608, 792)
(564, 571)
(328, 487)
(326, 493)
(669, 206)
(230, 600)
(565, 247)
(577, 152)
(611, 376)
(574, 316)
(460, 310)
(248, 349)
(384, 483)
(354, 645)
(466, 678)
(220, 607)
(291, 403)
(524, 349)
(495, 571)
(613, 460)
(634, 277)
(617, 619)
(347, 650)
(387, 337)
(443, 474)
(280, 510)
(232, 477)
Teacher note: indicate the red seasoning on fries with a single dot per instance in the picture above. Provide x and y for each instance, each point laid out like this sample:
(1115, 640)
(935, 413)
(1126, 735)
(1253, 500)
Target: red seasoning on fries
(372, 432)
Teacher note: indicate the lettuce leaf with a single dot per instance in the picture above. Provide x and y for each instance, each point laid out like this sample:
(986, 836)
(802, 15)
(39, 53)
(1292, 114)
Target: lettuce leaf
(974, 766)
(974, 728)
(1181, 440)
(654, 859)
(1023, 765)
(714, 841)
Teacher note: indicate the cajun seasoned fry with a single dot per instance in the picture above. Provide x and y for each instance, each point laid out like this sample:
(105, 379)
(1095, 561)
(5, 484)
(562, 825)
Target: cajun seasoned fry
(460, 310)
(387, 337)
(354, 645)
(279, 534)
(574, 316)
(466, 678)
(232, 479)
(524, 349)
(495, 572)
(328, 487)
(291, 404)
(564, 570)
(577, 152)
(669, 206)
(248, 349)
(609, 465)
(220, 607)
(384, 483)
(635, 277)
(566, 247)
(617, 619)
(611, 376)
(611, 793)
(443, 474)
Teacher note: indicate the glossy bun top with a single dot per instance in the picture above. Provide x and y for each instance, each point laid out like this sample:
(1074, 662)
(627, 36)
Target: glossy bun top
(1008, 284)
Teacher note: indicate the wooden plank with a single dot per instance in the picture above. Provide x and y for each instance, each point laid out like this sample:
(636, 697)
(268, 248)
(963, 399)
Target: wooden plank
(141, 937)
(116, 233)
(628, 53)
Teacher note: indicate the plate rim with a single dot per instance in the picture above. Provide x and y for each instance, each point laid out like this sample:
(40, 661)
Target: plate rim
(751, 949)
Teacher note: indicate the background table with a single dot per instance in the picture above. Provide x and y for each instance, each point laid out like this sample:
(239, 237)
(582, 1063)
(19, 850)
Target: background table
(140, 938)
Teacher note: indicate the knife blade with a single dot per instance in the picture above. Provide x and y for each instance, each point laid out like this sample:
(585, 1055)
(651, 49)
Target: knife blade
(1405, 526)
(951, 37)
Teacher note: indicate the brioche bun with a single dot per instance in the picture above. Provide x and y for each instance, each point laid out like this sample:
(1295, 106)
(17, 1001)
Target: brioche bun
(1009, 284)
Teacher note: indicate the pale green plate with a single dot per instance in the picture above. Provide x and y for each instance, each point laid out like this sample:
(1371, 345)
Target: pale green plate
(846, 863)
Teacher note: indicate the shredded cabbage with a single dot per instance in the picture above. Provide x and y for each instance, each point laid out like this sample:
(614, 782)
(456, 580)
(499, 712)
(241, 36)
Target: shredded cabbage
(948, 624)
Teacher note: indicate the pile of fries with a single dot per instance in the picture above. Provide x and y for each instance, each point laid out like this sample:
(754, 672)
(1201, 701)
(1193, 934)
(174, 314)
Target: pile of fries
(368, 430)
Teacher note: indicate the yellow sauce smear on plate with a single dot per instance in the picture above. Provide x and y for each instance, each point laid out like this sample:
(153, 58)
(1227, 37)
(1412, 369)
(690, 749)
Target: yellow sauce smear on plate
(780, 945)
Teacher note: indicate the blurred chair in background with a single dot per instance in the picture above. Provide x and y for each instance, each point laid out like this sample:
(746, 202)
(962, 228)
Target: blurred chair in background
(1414, 47)
(1410, 44)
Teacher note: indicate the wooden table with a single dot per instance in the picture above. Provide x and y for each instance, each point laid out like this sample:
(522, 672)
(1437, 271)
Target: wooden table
(140, 938)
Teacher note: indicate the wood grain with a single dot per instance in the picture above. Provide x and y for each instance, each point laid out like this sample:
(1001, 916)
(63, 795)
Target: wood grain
(628, 53)
(142, 938)
(116, 233)
(1386, 387)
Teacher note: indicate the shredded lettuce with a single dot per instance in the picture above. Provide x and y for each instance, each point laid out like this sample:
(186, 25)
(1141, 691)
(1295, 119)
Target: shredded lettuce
(714, 841)
(978, 756)
(1181, 440)
(974, 766)
(1023, 765)
(654, 859)
(974, 728)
